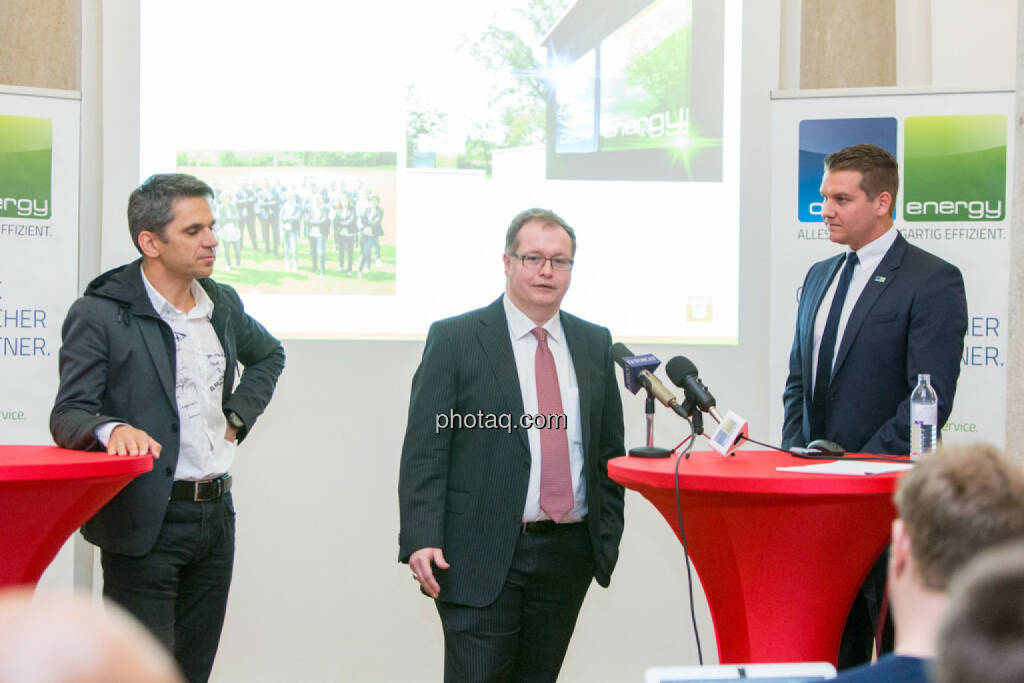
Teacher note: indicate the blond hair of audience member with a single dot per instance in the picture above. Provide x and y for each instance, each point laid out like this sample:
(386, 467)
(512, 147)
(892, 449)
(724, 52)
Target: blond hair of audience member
(66, 639)
(982, 635)
(952, 506)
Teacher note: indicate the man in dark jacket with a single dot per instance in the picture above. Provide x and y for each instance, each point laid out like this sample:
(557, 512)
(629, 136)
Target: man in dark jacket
(869, 321)
(505, 527)
(147, 365)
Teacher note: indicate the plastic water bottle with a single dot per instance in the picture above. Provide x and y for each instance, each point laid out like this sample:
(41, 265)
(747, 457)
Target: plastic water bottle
(924, 418)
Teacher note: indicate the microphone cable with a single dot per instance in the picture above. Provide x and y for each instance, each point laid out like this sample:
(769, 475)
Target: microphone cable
(766, 445)
(689, 441)
(903, 459)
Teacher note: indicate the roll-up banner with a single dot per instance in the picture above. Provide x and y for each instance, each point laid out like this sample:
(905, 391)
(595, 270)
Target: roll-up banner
(39, 148)
(956, 167)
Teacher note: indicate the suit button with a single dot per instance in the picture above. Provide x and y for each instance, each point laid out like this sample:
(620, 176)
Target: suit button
(168, 471)
(174, 427)
(526, 465)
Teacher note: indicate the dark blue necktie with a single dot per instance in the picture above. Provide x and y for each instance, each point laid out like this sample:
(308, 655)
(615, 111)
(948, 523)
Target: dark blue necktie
(827, 350)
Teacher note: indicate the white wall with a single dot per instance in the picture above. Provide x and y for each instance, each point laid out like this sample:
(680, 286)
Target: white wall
(317, 594)
(974, 43)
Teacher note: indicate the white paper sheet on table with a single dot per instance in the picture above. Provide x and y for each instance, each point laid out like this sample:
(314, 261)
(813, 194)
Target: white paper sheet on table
(849, 467)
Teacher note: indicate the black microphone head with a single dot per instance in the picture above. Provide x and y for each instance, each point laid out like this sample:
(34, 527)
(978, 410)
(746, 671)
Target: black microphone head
(620, 351)
(678, 368)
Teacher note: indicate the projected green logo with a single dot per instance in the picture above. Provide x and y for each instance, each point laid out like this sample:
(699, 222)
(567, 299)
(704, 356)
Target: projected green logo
(26, 153)
(954, 168)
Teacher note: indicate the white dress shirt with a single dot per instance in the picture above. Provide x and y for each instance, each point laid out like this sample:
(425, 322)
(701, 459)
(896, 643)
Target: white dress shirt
(524, 347)
(869, 256)
(203, 452)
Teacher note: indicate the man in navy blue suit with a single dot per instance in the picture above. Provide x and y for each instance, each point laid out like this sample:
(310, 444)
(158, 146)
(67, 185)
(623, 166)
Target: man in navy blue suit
(869, 320)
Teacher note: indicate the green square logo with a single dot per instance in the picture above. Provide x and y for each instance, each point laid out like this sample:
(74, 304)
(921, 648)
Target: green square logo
(954, 168)
(26, 154)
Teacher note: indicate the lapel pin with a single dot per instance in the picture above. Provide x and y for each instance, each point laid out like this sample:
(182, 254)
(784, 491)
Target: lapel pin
(879, 278)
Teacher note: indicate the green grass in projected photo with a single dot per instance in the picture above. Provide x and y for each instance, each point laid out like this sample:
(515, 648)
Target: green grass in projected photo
(264, 273)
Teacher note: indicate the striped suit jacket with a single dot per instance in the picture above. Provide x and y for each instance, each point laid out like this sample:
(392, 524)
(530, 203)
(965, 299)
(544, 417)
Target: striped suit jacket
(464, 490)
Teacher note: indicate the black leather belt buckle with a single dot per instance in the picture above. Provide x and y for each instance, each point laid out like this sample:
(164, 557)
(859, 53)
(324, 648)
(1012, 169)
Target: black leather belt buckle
(546, 526)
(201, 491)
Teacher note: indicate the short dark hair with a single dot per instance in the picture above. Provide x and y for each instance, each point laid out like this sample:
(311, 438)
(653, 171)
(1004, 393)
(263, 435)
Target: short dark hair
(545, 216)
(878, 169)
(983, 629)
(151, 205)
(956, 503)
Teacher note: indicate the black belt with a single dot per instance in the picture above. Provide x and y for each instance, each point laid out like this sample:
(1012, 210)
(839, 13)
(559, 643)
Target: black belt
(201, 491)
(548, 526)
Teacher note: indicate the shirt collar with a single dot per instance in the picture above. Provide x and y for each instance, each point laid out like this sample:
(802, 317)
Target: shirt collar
(164, 308)
(875, 250)
(520, 325)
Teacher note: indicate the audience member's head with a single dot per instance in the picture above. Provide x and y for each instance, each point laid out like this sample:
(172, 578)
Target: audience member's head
(66, 639)
(953, 505)
(982, 634)
(956, 503)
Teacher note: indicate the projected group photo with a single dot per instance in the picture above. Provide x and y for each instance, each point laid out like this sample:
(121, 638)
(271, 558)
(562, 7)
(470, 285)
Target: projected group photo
(302, 222)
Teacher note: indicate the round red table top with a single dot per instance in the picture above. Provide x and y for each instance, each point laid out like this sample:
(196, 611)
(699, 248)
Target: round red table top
(746, 472)
(33, 463)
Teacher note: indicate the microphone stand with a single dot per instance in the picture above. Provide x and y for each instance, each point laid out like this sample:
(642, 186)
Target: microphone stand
(649, 414)
(693, 414)
(696, 419)
(650, 450)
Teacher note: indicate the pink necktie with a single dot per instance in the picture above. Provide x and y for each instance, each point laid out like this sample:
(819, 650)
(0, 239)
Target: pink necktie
(556, 497)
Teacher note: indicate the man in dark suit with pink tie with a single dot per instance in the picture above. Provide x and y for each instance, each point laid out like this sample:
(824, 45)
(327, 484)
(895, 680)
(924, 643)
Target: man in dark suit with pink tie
(505, 523)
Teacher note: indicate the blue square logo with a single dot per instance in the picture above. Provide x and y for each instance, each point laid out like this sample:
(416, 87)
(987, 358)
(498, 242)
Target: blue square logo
(821, 137)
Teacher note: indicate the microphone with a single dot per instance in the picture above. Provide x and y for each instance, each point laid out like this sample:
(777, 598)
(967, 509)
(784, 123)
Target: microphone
(683, 374)
(730, 433)
(634, 369)
(632, 366)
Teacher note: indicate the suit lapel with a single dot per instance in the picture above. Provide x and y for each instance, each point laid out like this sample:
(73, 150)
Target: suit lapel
(872, 290)
(497, 346)
(154, 339)
(580, 354)
(149, 323)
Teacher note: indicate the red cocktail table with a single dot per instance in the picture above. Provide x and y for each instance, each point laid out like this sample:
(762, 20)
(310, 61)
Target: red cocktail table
(46, 493)
(780, 555)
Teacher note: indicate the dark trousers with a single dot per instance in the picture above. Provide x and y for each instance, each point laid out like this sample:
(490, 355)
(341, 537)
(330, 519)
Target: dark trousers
(317, 253)
(858, 640)
(271, 233)
(248, 225)
(523, 635)
(346, 246)
(179, 589)
(366, 252)
(235, 247)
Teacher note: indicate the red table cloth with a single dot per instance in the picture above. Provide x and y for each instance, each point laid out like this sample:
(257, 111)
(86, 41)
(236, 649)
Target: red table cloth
(780, 555)
(46, 493)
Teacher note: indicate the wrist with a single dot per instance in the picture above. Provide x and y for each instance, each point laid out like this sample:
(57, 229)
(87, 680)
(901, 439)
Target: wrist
(234, 420)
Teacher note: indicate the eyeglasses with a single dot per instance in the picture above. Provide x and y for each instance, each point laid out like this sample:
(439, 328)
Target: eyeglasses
(536, 262)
